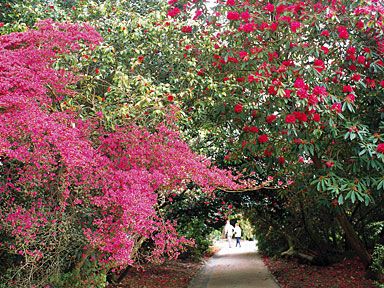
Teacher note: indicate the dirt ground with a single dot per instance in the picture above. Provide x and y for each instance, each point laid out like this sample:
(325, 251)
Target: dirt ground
(172, 274)
(291, 274)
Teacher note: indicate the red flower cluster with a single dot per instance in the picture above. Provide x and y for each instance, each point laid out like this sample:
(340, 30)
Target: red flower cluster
(238, 108)
(186, 29)
(294, 26)
(350, 98)
(263, 138)
(270, 118)
(173, 12)
(252, 129)
(233, 15)
(290, 118)
(343, 32)
(337, 107)
(231, 2)
(329, 164)
(301, 116)
(318, 64)
(170, 97)
(347, 89)
(325, 33)
(316, 117)
(269, 7)
(380, 148)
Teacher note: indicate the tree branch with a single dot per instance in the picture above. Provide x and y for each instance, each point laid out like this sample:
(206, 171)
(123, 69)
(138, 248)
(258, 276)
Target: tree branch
(259, 187)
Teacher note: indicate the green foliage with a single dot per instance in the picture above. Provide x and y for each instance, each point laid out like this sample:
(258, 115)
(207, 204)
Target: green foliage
(216, 235)
(199, 231)
(378, 259)
(198, 215)
(247, 230)
(61, 243)
(127, 77)
(88, 276)
(270, 242)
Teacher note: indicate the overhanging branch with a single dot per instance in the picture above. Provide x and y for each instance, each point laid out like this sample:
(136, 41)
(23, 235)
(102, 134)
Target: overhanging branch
(259, 187)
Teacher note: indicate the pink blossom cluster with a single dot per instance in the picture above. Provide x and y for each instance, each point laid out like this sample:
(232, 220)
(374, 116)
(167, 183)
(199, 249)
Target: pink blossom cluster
(52, 166)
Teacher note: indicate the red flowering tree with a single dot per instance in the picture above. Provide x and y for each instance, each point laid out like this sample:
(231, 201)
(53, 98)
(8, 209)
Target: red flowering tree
(78, 199)
(293, 91)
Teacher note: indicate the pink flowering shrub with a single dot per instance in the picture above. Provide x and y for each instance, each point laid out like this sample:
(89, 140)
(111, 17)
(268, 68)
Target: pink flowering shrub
(70, 199)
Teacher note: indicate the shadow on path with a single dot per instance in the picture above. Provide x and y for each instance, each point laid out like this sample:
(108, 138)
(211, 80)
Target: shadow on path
(234, 268)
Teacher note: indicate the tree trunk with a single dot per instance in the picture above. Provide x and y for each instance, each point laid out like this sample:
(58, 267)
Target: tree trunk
(353, 239)
(313, 236)
(139, 242)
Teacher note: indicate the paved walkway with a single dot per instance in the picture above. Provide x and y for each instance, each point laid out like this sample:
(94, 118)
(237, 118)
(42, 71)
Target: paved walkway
(234, 268)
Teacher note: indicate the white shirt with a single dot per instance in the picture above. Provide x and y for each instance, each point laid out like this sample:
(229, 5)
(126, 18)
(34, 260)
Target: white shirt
(237, 231)
(229, 230)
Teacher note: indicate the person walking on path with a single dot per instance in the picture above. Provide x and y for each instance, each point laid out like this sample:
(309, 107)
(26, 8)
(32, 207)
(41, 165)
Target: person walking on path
(237, 234)
(228, 230)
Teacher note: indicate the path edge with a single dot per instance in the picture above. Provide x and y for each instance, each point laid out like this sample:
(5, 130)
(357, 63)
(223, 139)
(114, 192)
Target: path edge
(200, 280)
(269, 271)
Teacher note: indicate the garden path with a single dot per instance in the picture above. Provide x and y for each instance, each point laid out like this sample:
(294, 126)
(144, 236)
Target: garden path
(234, 268)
